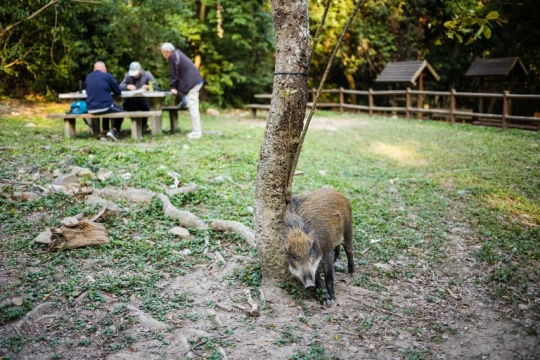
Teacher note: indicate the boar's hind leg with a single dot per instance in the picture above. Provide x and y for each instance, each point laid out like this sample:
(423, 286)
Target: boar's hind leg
(348, 245)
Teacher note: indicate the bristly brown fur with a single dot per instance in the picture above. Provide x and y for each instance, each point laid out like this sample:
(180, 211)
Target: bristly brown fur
(316, 224)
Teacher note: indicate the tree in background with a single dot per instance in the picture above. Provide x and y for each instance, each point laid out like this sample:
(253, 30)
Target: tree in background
(47, 46)
(233, 43)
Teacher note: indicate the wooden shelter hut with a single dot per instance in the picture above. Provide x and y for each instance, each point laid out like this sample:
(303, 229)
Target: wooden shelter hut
(497, 68)
(409, 72)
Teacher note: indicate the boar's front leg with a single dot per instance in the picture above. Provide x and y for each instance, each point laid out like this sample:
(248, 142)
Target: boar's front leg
(329, 278)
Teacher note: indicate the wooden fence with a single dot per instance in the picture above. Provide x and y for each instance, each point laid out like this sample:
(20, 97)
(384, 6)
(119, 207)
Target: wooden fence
(452, 113)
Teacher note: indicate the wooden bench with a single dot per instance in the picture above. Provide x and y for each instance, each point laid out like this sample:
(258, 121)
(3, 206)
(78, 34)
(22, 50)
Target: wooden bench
(173, 116)
(255, 107)
(135, 116)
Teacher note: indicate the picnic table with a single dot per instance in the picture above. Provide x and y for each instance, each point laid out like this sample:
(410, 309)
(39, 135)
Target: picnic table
(155, 100)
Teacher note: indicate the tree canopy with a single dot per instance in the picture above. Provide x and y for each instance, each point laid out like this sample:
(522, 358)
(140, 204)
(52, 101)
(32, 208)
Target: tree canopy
(47, 46)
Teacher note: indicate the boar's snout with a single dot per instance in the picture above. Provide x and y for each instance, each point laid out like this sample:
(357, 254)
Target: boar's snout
(309, 284)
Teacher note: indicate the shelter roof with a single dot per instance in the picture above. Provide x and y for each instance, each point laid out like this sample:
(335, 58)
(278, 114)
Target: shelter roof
(406, 72)
(497, 67)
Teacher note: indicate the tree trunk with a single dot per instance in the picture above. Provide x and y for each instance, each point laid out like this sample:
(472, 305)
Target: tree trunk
(282, 136)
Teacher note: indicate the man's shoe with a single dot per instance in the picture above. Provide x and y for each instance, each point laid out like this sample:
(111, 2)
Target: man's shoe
(112, 134)
(194, 135)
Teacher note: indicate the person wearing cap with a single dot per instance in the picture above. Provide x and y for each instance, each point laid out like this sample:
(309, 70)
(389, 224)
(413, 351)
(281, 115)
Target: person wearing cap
(185, 80)
(137, 79)
(100, 87)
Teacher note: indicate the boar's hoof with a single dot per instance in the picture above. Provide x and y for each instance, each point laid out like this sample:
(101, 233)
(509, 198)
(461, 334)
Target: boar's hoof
(310, 288)
(329, 302)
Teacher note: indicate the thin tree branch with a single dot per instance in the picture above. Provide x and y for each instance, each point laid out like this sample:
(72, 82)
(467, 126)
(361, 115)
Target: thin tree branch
(36, 13)
(318, 32)
(54, 35)
(314, 105)
(52, 2)
(459, 6)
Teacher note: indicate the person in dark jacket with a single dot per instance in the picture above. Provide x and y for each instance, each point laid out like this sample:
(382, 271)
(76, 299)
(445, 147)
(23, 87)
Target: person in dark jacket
(100, 87)
(137, 79)
(185, 80)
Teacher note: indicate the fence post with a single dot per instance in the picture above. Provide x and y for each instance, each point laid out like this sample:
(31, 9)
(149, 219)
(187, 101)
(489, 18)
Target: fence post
(408, 103)
(370, 101)
(341, 100)
(505, 109)
(452, 106)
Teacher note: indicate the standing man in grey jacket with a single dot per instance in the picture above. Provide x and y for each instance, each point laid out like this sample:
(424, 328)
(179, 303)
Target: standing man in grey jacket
(137, 79)
(185, 80)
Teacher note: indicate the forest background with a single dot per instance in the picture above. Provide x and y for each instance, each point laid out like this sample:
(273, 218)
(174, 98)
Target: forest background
(232, 42)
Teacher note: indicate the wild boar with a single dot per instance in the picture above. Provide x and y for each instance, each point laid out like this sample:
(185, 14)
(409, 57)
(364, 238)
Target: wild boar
(316, 224)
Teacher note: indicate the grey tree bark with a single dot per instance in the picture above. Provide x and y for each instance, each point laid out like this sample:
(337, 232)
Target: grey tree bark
(282, 135)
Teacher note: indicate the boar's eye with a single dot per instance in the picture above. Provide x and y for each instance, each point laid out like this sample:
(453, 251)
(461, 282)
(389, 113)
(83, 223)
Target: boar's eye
(293, 258)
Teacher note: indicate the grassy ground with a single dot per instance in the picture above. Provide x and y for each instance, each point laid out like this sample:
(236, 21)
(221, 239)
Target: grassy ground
(411, 183)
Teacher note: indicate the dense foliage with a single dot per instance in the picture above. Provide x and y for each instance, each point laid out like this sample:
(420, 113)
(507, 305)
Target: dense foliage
(48, 51)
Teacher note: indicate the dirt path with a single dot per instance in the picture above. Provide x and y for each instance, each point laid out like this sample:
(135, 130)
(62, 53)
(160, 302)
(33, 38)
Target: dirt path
(361, 326)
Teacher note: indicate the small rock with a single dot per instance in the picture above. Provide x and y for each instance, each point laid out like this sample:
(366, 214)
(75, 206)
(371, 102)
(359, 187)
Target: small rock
(44, 237)
(17, 301)
(322, 172)
(86, 173)
(126, 176)
(66, 183)
(103, 174)
(299, 173)
(72, 220)
(75, 169)
(185, 252)
(181, 232)
(85, 150)
(185, 147)
(56, 173)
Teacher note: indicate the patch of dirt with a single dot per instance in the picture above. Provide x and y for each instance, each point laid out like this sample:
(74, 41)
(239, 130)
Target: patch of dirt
(319, 122)
(402, 318)
(28, 108)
